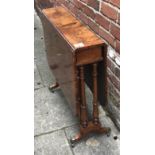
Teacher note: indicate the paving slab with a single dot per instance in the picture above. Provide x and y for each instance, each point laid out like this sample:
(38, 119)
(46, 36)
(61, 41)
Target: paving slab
(37, 80)
(42, 64)
(52, 111)
(39, 47)
(40, 54)
(46, 75)
(37, 25)
(52, 144)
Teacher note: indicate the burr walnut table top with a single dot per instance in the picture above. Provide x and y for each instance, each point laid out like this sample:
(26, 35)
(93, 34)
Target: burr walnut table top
(77, 34)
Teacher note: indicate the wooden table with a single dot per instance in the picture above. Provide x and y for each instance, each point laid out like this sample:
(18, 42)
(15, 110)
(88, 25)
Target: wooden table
(74, 55)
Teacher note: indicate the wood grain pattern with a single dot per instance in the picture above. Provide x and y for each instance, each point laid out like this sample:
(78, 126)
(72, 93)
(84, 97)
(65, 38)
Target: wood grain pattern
(71, 28)
(59, 55)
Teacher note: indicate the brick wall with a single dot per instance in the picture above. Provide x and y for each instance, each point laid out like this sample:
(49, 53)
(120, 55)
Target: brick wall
(103, 17)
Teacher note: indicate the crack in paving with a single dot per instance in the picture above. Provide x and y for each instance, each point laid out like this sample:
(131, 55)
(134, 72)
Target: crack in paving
(69, 142)
(49, 132)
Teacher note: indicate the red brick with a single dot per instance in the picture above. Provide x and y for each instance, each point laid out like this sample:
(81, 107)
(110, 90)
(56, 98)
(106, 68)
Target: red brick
(117, 72)
(111, 64)
(113, 67)
(101, 20)
(108, 37)
(71, 6)
(113, 79)
(85, 1)
(116, 96)
(106, 0)
(110, 86)
(93, 26)
(112, 89)
(113, 93)
(83, 17)
(108, 62)
(115, 31)
(94, 4)
(118, 19)
(118, 46)
(115, 2)
(108, 11)
(78, 4)
(66, 4)
(56, 3)
(76, 11)
(89, 12)
(59, 1)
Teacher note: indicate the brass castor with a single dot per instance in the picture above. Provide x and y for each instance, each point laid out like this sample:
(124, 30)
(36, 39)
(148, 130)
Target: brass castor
(53, 87)
(76, 139)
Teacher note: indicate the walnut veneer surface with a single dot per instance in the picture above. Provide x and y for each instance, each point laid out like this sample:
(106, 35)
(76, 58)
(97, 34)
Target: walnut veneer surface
(71, 28)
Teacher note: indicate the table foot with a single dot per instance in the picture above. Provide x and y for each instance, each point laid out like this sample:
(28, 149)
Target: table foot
(76, 139)
(53, 87)
(106, 131)
(89, 129)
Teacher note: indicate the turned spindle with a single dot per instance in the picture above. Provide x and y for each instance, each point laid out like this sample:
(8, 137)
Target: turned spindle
(95, 98)
(84, 116)
(77, 80)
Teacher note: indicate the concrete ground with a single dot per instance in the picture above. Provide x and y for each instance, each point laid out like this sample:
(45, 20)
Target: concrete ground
(54, 121)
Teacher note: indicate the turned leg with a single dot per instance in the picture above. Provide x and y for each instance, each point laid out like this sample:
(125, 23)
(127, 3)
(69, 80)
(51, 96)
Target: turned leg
(86, 126)
(96, 121)
(84, 116)
(83, 108)
(53, 87)
(78, 100)
(95, 94)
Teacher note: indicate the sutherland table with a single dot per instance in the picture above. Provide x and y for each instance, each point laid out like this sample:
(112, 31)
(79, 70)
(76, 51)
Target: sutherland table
(72, 49)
